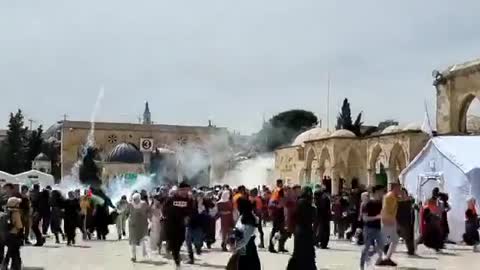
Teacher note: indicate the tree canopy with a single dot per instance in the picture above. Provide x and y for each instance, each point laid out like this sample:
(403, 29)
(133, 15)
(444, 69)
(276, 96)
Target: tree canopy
(386, 123)
(344, 119)
(282, 128)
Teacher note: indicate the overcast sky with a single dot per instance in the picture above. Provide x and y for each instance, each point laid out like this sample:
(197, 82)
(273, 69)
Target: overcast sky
(229, 61)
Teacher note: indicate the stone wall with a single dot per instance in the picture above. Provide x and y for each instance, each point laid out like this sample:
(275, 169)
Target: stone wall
(108, 135)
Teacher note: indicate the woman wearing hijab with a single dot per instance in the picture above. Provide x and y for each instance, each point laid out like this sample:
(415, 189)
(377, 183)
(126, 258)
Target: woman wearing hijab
(138, 211)
(471, 236)
(156, 220)
(225, 213)
(13, 239)
(245, 255)
(303, 256)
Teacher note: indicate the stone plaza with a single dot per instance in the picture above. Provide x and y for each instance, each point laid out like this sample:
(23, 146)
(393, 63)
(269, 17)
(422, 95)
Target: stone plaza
(111, 254)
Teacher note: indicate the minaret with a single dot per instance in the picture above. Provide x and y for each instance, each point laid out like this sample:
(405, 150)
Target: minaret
(147, 116)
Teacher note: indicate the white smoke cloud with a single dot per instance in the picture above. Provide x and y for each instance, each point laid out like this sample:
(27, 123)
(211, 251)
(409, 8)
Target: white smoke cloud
(251, 172)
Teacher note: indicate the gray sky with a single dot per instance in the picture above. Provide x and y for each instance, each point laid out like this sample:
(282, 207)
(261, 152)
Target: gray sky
(231, 61)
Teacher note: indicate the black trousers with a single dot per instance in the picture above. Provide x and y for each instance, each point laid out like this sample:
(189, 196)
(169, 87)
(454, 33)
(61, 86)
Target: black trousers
(45, 222)
(407, 233)
(69, 226)
(174, 244)
(322, 233)
(278, 227)
(13, 252)
(36, 227)
(260, 231)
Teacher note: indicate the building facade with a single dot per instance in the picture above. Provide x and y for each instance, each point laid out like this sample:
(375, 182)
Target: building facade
(344, 160)
(109, 137)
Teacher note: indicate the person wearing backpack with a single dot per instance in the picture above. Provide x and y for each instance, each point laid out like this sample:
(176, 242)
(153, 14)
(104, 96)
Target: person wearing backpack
(13, 236)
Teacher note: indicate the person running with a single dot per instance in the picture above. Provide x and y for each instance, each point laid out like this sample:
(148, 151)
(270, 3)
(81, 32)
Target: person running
(389, 222)
(245, 255)
(122, 207)
(13, 238)
(139, 212)
(72, 210)
(225, 213)
(303, 256)
(178, 211)
(372, 230)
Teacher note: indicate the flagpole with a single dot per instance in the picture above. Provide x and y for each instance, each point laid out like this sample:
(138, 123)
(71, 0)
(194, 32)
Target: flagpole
(328, 100)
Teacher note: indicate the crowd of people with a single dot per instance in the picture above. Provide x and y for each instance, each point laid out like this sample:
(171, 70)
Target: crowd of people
(168, 217)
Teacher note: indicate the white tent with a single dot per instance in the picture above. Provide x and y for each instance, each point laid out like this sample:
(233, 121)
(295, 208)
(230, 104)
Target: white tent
(32, 177)
(451, 163)
(6, 177)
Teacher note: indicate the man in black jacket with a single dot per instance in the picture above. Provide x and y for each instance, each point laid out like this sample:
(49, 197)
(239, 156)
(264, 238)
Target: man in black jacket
(36, 214)
(323, 217)
(178, 211)
(406, 221)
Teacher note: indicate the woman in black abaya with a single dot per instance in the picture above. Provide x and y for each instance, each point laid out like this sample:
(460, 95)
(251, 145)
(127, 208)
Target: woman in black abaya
(303, 256)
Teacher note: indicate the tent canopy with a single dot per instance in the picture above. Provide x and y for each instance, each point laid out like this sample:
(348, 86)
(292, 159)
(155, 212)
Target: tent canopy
(35, 177)
(6, 177)
(452, 164)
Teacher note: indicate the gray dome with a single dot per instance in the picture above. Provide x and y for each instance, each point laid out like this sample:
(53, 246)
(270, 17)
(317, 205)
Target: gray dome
(53, 130)
(41, 157)
(125, 153)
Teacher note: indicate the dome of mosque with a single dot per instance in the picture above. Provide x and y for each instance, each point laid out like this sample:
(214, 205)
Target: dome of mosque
(392, 129)
(125, 153)
(41, 157)
(53, 130)
(343, 133)
(412, 126)
(310, 135)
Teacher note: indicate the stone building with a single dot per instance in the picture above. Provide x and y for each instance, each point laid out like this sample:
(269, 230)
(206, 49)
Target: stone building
(119, 146)
(318, 155)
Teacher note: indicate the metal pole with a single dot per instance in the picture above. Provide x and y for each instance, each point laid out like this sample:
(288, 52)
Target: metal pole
(328, 101)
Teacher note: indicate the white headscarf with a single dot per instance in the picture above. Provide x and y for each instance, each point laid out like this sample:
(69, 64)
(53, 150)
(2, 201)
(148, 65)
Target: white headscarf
(225, 196)
(136, 200)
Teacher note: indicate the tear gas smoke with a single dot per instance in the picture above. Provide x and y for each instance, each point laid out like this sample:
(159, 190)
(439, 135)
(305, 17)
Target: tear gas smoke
(251, 172)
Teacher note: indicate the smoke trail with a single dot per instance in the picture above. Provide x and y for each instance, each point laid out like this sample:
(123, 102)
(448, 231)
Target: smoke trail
(75, 171)
(98, 102)
(251, 172)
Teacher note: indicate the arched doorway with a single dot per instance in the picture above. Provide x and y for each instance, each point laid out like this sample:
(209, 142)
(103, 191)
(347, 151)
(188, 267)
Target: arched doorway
(377, 163)
(470, 115)
(354, 166)
(325, 169)
(397, 161)
(339, 178)
(311, 165)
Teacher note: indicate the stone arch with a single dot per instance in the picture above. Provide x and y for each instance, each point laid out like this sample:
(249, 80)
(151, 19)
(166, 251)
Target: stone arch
(311, 159)
(325, 163)
(339, 175)
(377, 164)
(396, 162)
(462, 115)
(455, 88)
(355, 166)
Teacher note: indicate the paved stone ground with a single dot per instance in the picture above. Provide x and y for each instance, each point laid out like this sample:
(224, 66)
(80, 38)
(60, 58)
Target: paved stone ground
(114, 255)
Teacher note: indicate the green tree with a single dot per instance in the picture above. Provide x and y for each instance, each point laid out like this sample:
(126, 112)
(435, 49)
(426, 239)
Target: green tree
(15, 148)
(284, 127)
(34, 146)
(386, 123)
(344, 120)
